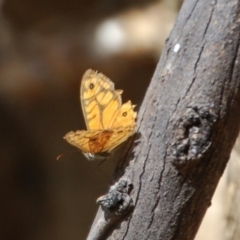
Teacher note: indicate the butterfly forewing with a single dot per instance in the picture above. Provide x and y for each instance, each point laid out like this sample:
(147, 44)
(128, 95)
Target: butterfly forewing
(100, 101)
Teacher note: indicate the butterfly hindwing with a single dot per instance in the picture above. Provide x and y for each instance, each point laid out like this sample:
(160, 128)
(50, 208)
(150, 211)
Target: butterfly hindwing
(93, 141)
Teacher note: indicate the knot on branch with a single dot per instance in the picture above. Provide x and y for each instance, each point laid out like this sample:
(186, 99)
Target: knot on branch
(117, 201)
(193, 134)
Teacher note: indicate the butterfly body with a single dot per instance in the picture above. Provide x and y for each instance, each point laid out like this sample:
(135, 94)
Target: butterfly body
(109, 122)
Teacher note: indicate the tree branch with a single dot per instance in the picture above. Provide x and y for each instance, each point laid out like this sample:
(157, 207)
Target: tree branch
(188, 122)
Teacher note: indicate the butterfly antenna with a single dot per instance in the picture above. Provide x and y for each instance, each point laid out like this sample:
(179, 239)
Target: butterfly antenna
(63, 154)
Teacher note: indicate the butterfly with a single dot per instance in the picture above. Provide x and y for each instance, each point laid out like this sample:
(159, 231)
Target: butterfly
(109, 122)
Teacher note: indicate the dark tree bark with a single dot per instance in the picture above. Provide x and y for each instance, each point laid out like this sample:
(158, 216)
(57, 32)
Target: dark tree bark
(187, 126)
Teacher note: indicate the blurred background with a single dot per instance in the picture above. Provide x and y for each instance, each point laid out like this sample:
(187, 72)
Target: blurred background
(45, 47)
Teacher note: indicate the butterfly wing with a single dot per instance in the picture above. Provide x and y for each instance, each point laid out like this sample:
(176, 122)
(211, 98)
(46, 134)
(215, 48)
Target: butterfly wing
(119, 135)
(91, 141)
(99, 141)
(100, 101)
(126, 116)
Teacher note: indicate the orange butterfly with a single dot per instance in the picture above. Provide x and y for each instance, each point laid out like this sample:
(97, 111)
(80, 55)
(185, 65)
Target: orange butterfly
(109, 122)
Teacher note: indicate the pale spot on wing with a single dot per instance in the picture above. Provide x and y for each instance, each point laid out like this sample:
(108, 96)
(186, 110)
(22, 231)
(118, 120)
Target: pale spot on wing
(106, 85)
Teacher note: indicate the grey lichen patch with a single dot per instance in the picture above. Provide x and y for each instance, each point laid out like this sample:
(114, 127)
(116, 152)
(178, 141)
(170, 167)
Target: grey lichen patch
(193, 134)
(117, 201)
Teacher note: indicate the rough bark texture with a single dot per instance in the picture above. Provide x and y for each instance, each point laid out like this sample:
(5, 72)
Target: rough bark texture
(188, 124)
